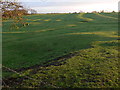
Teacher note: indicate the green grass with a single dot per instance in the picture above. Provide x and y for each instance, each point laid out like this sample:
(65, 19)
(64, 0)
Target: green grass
(111, 14)
(96, 67)
(49, 37)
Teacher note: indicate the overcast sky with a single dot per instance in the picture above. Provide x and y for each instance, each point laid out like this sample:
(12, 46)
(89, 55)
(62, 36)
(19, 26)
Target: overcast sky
(48, 6)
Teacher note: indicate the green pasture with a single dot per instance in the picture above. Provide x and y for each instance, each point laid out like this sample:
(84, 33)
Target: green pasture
(96, 67)
(50, 36)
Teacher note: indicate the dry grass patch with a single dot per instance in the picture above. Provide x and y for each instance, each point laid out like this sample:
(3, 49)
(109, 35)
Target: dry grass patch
(71, 25)
(58, 20)
(47, 20)
(81, 17)
(105, 34)
(44, 30)
(30, 31)
(105, 16)
(35, 23)
(12, 32)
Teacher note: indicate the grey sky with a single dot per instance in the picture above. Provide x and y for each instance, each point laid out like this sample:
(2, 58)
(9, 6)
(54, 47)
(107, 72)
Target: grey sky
(48, 6)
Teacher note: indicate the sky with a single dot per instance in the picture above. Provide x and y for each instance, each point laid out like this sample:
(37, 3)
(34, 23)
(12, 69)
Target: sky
(65, 6)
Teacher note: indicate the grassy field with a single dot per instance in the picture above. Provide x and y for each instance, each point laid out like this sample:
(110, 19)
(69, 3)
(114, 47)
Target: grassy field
(51, 36)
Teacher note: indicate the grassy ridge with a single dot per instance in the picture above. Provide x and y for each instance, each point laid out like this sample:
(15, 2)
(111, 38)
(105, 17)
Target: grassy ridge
(110, 14)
